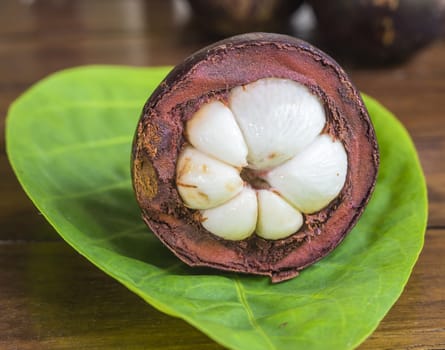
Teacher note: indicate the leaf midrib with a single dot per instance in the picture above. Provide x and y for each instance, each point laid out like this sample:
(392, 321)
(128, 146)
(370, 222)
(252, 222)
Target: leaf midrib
(252, 320)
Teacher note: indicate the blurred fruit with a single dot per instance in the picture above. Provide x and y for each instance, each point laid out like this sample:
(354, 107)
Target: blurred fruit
(229, 17)
(378, 31)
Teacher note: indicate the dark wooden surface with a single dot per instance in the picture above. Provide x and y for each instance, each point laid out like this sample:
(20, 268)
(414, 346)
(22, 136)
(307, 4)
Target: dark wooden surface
(51, 298)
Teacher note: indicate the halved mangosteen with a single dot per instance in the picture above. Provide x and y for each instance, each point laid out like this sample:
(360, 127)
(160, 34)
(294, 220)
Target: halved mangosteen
(254, 155)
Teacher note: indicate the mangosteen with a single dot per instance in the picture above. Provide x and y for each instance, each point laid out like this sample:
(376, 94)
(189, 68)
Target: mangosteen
(254, 155)
(229, 17)
(378, 31)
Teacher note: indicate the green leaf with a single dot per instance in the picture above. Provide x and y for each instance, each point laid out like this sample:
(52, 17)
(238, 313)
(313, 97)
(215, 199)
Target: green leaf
(69, 139)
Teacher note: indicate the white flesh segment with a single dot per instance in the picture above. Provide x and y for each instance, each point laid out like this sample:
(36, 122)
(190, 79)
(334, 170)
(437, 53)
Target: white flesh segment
(278, 118)
(277, 219)
(234, 220)
(214, 131)
(314, 177)
(204, 182)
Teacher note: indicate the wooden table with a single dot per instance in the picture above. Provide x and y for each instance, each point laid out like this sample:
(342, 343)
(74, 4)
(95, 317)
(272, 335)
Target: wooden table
(51, 298)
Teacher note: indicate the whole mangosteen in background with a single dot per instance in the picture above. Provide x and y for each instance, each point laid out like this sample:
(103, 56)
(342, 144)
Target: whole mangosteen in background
(378, 31)
(229, 17)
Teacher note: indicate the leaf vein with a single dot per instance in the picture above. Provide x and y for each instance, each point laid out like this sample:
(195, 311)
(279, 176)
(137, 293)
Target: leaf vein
(114, 141)
(62, 107)
(135, 229)
(243, 300)
(97, 190)
(159, 272)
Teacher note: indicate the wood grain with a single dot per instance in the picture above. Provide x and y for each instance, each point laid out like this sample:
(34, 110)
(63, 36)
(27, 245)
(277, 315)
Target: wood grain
(51, 298)
(54, 299)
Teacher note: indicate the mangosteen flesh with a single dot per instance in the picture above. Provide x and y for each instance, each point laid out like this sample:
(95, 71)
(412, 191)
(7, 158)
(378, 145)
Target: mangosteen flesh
(254, 155)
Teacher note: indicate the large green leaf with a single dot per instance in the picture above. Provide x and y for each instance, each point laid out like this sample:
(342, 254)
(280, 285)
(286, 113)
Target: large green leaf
(69, 138)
